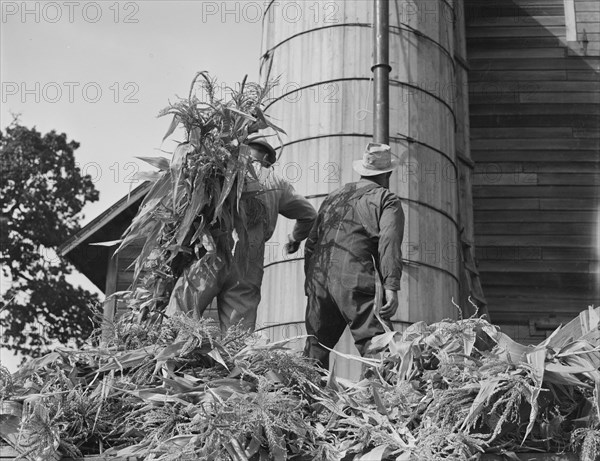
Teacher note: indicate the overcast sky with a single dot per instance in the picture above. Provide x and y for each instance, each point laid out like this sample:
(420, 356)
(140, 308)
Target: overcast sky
(101, 71)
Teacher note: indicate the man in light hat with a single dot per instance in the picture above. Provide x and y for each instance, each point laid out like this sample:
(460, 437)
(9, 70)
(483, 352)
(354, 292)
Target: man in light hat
(236, 288)
(357, 235)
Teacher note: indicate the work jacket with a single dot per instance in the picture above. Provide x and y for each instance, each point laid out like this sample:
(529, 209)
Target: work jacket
(279, 197)
(357, 225)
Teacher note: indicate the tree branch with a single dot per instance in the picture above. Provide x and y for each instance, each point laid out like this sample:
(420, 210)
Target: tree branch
(23, 276)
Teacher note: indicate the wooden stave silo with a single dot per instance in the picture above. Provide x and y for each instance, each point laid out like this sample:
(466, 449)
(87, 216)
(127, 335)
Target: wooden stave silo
(324, 101)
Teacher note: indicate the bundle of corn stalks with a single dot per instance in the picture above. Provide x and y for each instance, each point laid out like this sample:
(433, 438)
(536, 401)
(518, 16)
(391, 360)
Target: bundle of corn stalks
(450, 390)
(195, 213)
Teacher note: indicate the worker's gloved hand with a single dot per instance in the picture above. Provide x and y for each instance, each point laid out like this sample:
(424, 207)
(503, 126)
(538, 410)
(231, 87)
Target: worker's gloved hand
(291, 246)
(391, 305)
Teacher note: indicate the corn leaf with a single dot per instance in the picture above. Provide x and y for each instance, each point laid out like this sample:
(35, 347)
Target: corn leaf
(376, 454)
(174, 124)
(215, 354)
(176, 168)
(159, 162)
(536, 359)
(486, 391)
(151, 176)
(573, 369)
(229, 181)
(198, 201)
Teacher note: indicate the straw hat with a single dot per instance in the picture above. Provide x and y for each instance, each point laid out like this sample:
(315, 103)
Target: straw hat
(377, 159)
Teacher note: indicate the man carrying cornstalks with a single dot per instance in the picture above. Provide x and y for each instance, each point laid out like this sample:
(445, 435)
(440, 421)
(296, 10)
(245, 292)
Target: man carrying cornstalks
(357, 236)
(236, 287)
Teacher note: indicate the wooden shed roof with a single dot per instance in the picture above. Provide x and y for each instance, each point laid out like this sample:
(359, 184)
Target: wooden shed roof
(92, 260)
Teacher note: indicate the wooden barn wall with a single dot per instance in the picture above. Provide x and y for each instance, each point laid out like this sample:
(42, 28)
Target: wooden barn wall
(535, 123)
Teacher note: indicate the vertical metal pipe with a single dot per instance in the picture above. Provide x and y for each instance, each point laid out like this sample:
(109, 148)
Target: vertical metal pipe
(381, 72)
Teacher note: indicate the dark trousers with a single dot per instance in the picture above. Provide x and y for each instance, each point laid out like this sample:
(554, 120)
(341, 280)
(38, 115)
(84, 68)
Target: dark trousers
(236, 288)
(330, 308)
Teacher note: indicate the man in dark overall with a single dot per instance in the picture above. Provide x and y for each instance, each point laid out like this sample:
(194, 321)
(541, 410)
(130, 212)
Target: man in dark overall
(237, 288)
(358, 225)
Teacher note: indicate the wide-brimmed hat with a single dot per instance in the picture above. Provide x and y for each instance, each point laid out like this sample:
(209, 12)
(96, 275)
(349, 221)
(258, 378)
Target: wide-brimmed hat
(260, 141)
(377, 159)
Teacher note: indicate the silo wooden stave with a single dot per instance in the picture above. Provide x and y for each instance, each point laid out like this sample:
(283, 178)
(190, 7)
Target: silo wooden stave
(324, 101)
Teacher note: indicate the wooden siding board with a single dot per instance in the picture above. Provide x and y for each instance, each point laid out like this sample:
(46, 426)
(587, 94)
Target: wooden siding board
(542, 120)
(592, 37)
(585, 17)
(587, 133)
(535, 216)
(508, 240)
(541, 86)
(533, 110)
(583, 97)
(592, 179)
(516, 31)
(517, 21)
(560, 168)
(533, 64)
(123, 285)
(526, 311)
(527, 280)
(582, 75)
(494, 191)
(492, 175)
(577, 254)
(546, 108)
(587, 6)
(564, 168)
(518, 53)
(534, 204)
(578, 49)
(503, 204)
(569, 204)
(550, 144)
(125, 278)
(496, 10)
(529, 253)
(491, 93)
(525, 5)
(524, 75)
(546, 158)
(591, 28)
(521, 133)
(507, 43)
(538, 267)
(574, 295)
(539, 228)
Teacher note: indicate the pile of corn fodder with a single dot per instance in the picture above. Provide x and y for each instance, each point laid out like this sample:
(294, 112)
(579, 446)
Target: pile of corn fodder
(450, 390)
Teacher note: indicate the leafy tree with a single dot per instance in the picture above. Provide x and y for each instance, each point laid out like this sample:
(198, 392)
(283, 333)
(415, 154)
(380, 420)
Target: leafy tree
(42, 193)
